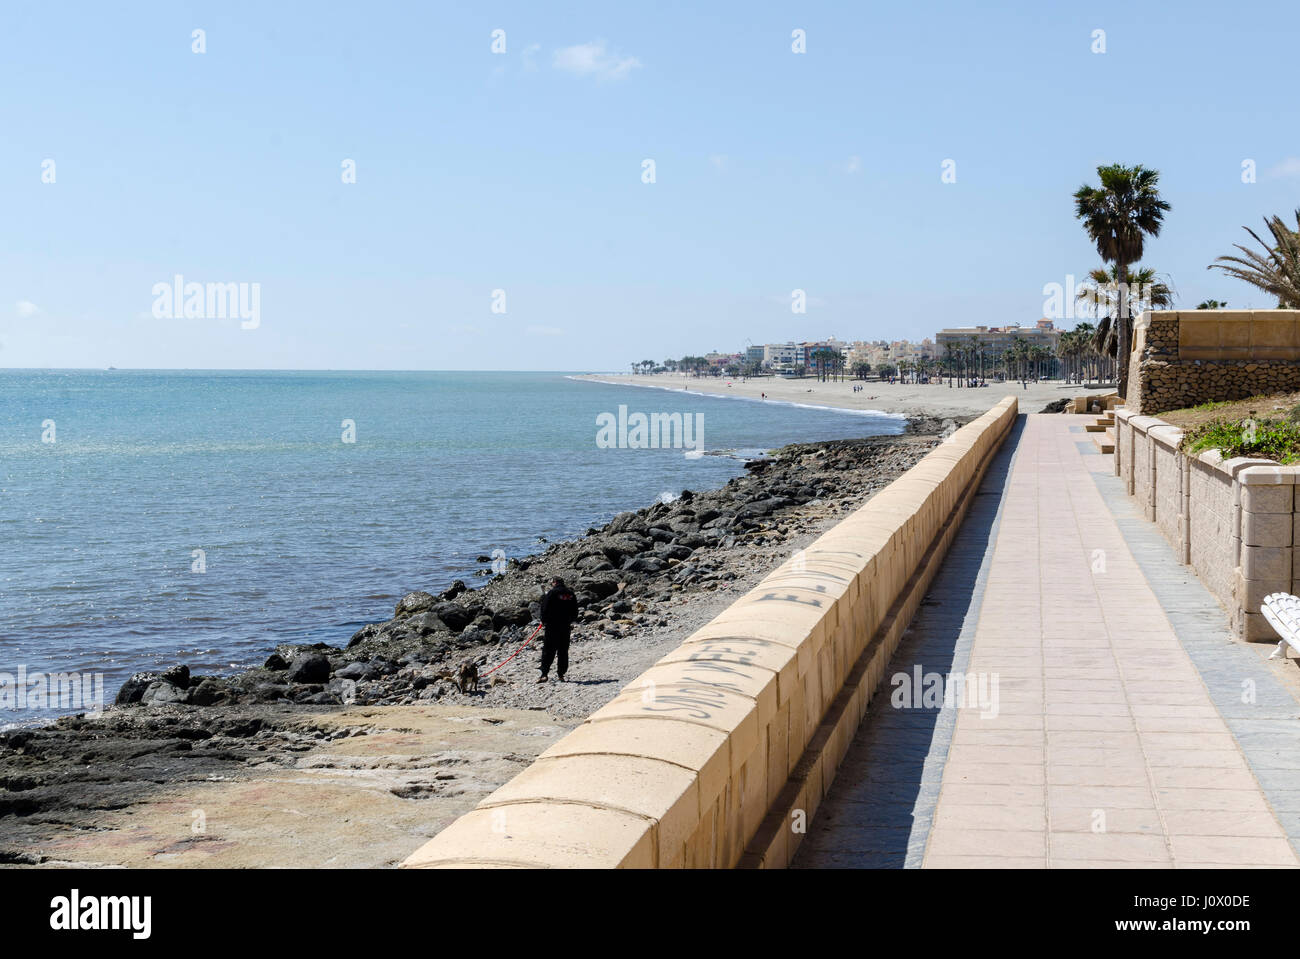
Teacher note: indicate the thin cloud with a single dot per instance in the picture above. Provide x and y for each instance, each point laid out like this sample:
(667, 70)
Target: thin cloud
(594, 60)
(1290, 167)
(26, 308)
(854, 165)
(719, 161)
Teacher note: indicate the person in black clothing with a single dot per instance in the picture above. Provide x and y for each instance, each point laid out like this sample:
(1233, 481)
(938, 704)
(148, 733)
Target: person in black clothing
(559, 610)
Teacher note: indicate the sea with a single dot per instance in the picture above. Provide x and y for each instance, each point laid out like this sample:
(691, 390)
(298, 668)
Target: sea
(149, 518)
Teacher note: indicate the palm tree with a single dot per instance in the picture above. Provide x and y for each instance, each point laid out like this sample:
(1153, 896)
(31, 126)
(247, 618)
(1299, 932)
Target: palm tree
(1076, 344)
(1118, 216)
(1066, 349)
(823, 361)
(1277, 271)
(1104, 293)
(950, 350)
(1211, 304)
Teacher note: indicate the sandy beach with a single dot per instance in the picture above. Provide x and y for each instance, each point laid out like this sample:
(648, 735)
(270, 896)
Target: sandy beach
(908, 399)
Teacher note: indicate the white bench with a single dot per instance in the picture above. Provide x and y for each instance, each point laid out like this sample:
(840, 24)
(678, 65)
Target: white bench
(1282, 611)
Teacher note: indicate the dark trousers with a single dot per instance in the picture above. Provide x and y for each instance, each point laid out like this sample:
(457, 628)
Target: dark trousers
(555, 646)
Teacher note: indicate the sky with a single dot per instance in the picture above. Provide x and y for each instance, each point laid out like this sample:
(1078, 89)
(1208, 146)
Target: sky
(500, 216)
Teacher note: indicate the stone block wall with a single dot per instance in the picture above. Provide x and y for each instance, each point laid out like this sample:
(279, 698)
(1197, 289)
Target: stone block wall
(1234, 522)
(1188, 357)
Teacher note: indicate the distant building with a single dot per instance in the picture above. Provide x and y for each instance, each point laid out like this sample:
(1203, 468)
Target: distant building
(779, 356)
(723, 360)
(806, 350)
(995, 340)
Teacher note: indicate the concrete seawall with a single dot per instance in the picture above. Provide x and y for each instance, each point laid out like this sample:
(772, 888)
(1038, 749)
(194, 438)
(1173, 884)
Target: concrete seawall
(720, 752)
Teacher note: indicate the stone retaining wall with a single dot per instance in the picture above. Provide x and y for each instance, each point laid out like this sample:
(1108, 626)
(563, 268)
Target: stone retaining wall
(701, 760)
(1189, 357)
(1232, 521)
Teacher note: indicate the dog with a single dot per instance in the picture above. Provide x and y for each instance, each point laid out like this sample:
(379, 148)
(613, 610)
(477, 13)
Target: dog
(467, 677)
(464, 678)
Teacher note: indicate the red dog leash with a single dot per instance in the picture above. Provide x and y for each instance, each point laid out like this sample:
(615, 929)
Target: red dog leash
(516, 652)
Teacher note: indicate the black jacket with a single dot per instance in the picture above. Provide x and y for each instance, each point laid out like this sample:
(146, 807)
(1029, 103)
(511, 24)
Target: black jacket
(559, 608)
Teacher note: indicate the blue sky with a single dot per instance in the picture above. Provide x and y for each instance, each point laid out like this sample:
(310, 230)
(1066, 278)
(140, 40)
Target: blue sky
(522, 171)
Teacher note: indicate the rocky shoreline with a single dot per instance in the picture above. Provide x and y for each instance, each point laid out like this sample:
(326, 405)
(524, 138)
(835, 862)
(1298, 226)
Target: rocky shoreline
(644, 581)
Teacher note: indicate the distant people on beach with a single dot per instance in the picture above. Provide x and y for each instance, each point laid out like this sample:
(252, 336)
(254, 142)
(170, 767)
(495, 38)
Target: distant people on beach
(559, 611)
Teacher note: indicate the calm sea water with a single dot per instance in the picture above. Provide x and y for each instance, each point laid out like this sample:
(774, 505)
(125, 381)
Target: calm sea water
(306, 537)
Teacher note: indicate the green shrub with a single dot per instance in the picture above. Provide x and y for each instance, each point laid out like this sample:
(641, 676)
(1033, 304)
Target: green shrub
(1272, 439)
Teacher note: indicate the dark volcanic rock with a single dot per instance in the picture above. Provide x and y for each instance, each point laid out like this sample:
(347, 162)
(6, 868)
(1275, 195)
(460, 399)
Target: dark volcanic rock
(291, 651)
(764, 506)
(673, 552)
(133, 689)
(164, 692)
(178, 676)
(355, 670)
(207, 693)
(626, 522)
(511, 616)
(456, 616)
(416, 602)
(644, 564)
(361, 635)
(425, 623)
(617, 548)
(601, 585)
(593, 563)
(309, 668)
(457, 587)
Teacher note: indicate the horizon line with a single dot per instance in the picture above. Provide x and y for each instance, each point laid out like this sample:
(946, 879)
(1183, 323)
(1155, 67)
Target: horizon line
(270, 369)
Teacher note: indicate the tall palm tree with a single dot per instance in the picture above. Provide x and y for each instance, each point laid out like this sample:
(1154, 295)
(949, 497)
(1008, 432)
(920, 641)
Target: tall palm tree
(1066, 349)
(950, 356)
(824, 363)
(1112, 301)
(1277, 270)
(1211, 304)
(1118, 217)
(1084, 336)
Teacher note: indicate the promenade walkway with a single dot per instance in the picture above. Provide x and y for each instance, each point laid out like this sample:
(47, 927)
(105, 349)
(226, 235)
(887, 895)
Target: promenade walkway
(1128, 728)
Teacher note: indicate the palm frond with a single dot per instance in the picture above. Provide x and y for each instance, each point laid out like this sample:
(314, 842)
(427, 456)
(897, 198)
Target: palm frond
(1276, 271)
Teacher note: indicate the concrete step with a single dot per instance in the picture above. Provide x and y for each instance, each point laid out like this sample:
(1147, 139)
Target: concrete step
(1097, 427)
(1105, 441)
